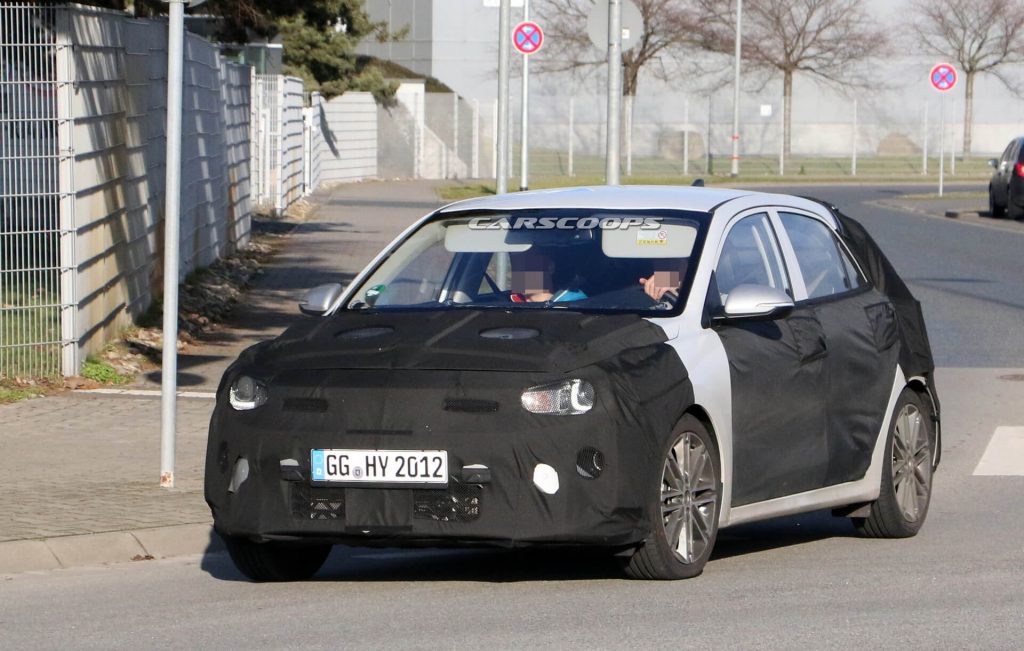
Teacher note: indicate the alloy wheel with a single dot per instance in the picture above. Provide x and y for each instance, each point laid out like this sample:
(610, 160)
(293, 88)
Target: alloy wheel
(911, 463)
(689, 497)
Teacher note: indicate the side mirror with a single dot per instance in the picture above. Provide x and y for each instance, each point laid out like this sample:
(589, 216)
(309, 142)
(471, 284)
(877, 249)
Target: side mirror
(993, 162)
(320, 299)
(756, 302)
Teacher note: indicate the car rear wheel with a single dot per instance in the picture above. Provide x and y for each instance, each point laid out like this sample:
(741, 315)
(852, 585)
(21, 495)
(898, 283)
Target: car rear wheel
(994, 209)
(684, 508)
(272, 561)
(906, 488)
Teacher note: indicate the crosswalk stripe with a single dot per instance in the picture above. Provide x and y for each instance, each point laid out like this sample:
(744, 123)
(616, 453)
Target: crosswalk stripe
(1004, 454)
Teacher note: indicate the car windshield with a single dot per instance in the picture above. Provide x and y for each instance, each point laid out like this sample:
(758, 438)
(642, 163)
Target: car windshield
(541, 259)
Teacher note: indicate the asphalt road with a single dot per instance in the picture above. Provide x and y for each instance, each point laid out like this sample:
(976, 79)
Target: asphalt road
(796, 582)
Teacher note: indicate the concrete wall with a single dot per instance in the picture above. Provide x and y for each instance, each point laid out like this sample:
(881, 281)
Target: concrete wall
(118, 139)
(348, 139)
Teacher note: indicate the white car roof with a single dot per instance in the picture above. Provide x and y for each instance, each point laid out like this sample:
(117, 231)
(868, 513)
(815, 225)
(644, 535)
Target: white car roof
(628, 197)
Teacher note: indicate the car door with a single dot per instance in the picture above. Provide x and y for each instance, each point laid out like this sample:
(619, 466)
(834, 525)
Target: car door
(777, 373)
(861, 336)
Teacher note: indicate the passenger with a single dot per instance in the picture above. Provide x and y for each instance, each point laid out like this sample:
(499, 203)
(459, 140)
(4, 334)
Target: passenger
(533, 275)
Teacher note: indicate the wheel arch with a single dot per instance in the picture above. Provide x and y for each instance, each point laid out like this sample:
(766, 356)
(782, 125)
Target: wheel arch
(919, 385)
(704, 417)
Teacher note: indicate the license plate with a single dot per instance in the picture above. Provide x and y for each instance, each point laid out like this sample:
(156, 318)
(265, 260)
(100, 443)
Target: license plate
(380, 466)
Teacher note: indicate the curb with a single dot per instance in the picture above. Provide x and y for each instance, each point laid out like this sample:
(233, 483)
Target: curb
(106, 548)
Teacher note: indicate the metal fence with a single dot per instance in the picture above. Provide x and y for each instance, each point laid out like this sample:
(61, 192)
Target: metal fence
(82, 100)
(36, 261)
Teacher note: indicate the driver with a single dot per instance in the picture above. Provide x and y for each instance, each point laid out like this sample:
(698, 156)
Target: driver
(664, 281)
(533, 280)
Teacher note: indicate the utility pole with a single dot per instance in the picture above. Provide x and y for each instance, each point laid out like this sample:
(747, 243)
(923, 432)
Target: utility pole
(735, 171)
(614, 90)
(524, 149)
(172, 228)
(504, 38)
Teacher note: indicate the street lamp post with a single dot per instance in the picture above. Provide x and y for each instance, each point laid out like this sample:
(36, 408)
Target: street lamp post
(736, 95)
(172, 225)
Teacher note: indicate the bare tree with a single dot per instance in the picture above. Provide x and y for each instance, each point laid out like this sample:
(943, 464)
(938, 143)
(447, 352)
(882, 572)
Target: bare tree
(825, 39)
(980, 35)
(669, 28)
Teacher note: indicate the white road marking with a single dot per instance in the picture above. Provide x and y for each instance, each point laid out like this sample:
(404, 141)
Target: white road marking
(152, 393)
(1004, 454)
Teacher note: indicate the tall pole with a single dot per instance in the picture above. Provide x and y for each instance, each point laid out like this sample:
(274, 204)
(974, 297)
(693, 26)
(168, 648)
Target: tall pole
(707, 149)
(942, 142)
(686, 136)
(505, 17)
(853, 161)
(524, 151)
(172, 216)
(924, 149)
(782, 137)
(572, 130)
(952, 144)
(736, 94)
(614, 91)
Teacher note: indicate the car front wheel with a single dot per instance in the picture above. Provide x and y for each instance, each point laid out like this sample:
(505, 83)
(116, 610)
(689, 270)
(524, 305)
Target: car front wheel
(906, 489)
(684, 508)
(272, 561)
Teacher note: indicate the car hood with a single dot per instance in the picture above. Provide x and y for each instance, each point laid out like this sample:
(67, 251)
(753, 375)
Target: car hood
(460, 339)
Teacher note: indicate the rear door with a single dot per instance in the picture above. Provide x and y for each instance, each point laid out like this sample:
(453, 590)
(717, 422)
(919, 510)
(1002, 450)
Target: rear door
(861, 335)
(777, 372)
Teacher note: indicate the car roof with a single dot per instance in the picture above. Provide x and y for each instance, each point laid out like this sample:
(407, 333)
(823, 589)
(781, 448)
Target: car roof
(611, 197)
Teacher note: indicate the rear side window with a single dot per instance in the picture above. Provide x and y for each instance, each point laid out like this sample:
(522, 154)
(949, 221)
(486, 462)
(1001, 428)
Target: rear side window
(826, 268)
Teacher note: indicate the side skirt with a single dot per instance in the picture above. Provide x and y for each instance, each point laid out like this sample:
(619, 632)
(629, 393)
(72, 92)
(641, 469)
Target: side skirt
(862, 490)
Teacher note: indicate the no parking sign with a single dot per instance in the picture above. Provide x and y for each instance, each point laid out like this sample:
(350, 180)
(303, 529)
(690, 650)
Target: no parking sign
(527, 37)
(943, 77)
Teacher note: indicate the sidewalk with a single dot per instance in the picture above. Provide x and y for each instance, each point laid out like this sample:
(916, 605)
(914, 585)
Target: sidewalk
(79, 464)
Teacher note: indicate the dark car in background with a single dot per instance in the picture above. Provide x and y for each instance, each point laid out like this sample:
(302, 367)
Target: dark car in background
(1006, 188)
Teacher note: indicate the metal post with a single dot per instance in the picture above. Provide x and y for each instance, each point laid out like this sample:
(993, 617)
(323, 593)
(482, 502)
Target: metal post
(952, 144)
(707, 149)
(782, 137)
(629, 135)
(476, 140)
(614, 91)
(736, 94)
(494, 142)
(505, 17)
(455, 126)
(686, 137)
(172, 207)
(853, 162)
(524, 128)
(924, 149)
(572, 119)
(942, 142)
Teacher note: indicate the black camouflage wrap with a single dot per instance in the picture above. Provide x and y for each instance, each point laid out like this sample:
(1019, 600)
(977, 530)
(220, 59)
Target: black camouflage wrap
(428, 380)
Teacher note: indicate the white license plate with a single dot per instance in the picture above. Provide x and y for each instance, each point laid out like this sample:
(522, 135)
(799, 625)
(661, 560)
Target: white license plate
(380, 466)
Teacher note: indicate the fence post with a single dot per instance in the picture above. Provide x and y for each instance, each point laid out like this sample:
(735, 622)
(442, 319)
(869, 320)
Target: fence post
(572, 133)
(924, 149)
(853, 162)
(64, 74)
(686, 136)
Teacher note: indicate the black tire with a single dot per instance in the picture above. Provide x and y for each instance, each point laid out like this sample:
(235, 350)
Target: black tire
(274, 562)
(994, 209)
(902, 504)
(657, 557)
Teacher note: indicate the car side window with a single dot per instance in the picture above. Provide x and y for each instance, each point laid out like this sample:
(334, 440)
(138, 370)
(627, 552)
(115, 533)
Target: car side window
(827, 269)
(1008, 152)
(751, 256)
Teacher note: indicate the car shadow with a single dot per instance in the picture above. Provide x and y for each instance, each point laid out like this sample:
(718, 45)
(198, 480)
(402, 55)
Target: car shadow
(354, 564)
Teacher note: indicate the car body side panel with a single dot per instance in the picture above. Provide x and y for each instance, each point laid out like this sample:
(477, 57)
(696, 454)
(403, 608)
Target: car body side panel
(865, 489)
(863, 343)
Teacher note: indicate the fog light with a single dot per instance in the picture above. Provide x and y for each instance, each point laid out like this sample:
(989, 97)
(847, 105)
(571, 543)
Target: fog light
(247, 393)
(589, 463)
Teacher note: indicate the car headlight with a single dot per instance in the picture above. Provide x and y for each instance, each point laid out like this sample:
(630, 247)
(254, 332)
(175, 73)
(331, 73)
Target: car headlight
(247, 393)
(565, 398)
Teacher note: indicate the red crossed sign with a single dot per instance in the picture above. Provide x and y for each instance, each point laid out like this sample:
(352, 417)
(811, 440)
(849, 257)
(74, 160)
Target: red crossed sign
(943, 77)
(527, 37)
